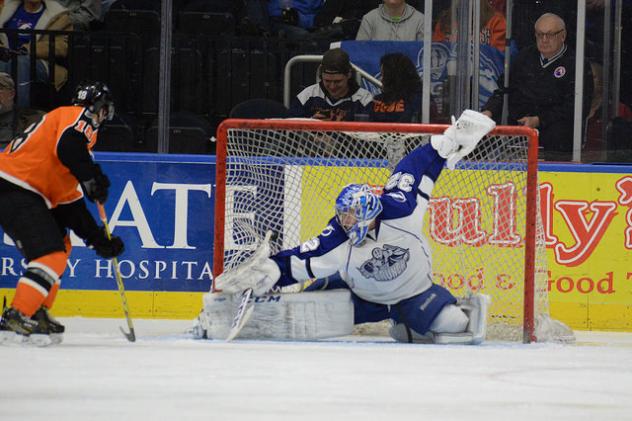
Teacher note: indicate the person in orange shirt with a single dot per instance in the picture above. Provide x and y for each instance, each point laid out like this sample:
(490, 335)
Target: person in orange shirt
(44, 174)
(493, 27)
(400, 99)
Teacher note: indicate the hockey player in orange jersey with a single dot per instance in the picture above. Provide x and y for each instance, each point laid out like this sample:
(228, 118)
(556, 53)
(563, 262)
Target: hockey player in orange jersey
(44, 174)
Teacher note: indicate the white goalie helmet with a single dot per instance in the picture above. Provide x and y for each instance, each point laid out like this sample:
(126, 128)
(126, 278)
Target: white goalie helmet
(356, 207)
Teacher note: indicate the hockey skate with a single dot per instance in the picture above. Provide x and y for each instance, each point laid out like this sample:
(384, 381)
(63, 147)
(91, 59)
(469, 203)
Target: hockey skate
(16, 328)
(48, 325)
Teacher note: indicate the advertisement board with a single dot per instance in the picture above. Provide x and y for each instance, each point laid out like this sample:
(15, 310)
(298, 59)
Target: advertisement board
(588, 222)
(162, 207)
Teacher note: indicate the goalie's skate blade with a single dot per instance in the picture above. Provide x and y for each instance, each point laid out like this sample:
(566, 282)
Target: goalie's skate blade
(131, 336)
(246, 307)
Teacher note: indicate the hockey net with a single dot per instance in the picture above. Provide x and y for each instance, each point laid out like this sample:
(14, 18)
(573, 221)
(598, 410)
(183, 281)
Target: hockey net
(483, 222)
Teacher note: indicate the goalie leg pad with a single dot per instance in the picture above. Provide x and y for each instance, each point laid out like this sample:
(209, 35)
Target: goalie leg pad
(302, 316)
(449, 327)
(451, 319)
(476, 307)
(462, 324)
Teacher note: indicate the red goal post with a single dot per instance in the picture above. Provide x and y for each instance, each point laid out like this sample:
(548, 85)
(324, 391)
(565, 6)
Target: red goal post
(483, 222)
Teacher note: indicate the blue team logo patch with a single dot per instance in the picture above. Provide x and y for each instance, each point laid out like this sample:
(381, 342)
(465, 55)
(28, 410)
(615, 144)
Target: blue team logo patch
(559, 72)
(398, 196)
(386, 264)
(327, 231)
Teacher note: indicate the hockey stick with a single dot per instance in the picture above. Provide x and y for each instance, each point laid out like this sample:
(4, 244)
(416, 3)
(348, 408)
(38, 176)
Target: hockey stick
(131, 336)
(246, 307)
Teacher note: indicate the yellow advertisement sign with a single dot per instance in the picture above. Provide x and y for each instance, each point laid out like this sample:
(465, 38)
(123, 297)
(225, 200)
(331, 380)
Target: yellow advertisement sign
(588, 224)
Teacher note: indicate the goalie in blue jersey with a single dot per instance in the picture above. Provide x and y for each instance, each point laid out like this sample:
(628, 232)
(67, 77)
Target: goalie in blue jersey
(374, 247)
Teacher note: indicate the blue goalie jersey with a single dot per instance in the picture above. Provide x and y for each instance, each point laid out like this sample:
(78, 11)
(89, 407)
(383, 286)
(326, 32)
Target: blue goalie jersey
(394, 261)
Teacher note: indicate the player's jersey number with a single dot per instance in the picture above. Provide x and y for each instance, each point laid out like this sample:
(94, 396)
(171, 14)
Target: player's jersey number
(402, 181)
(22, 138)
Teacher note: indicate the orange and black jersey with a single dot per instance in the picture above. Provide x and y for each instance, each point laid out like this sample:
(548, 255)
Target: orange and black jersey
(53, 156)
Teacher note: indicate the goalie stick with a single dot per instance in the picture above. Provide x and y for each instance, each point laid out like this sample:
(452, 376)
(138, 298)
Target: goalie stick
(131, 336)
(244, 312)
(246, 305)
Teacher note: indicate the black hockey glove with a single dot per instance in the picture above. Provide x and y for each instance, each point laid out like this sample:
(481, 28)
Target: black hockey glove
(107, 248)
(97, 187)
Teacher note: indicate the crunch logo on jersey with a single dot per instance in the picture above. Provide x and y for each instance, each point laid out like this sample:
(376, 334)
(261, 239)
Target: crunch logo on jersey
(387, 263)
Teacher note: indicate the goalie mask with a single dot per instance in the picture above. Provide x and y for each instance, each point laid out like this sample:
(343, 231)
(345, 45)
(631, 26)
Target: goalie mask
(94, 96)
(356, 207)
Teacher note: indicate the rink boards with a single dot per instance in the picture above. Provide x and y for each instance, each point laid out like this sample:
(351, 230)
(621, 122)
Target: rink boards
(162, 207)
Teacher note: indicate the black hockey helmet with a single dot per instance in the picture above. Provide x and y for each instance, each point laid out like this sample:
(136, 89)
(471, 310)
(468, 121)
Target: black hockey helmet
(94, 96)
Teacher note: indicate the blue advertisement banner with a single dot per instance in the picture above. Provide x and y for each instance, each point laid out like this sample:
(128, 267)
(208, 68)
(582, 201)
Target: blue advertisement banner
(162, 208)
(367, 54)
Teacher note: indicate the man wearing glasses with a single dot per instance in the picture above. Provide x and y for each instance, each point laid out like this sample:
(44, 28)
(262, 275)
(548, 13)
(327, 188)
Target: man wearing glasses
(542, 89)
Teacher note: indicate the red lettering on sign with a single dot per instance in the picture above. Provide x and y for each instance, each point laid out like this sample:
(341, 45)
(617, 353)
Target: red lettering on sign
(456, 281)
(468, 215)
(624, 185)
(627, 242)
(586, 233)
(504, 281)
(546, 209)
(583, 285)
(504, 215)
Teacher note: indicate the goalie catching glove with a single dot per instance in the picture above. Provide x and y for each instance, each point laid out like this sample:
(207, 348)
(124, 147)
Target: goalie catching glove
(259, 273)
(462, 136)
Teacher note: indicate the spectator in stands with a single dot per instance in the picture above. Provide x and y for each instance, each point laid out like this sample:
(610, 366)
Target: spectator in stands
(34, 14)
(12, 120)
(526, 12)
(340, 19)
(293, 19)
(542, 89)
(394, 20)
(82, 12)
(493, 27)
(337, 97)
(400, 100)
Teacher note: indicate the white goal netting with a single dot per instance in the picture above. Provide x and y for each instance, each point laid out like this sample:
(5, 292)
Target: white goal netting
(483, 222)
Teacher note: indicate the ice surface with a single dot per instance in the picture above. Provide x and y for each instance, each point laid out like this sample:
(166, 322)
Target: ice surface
(97, 375)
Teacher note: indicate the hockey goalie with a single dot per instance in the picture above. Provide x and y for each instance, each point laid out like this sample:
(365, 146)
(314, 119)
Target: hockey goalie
(371, 263)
